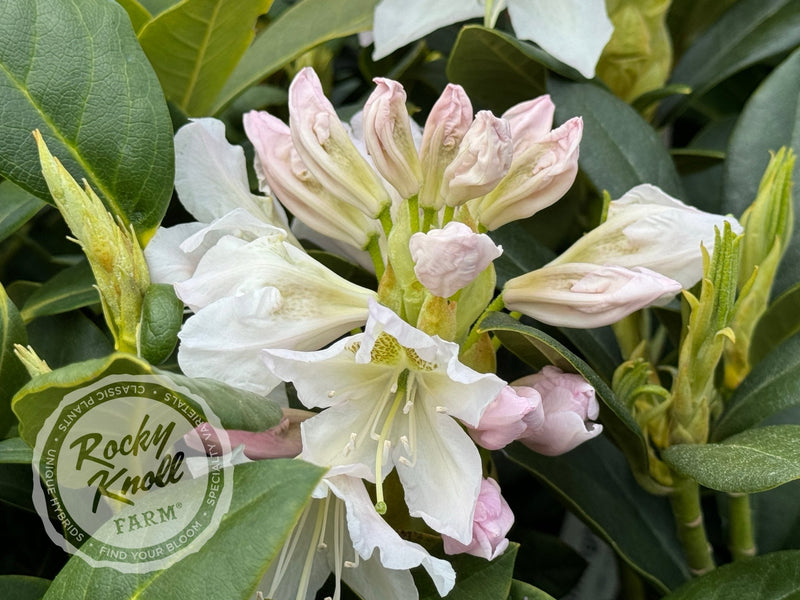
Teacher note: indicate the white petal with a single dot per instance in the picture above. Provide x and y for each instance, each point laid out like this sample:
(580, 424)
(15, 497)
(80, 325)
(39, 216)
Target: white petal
(399, 22)
(369, 532)
(238, 223)
(211, 174)
(573, 31)
(443, 484)
(167, 262)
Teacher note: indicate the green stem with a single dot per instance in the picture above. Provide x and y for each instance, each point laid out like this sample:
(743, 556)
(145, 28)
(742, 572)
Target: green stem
(374, 249)
(740, 536)
(428, 219)
(630, 582)
(386, 220)
(449, 213)
(685, 502)
(413, 213)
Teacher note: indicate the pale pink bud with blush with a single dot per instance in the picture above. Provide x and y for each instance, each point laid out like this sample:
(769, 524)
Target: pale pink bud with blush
(530, 121)
(281, 170)
(447, 124)
(324, 145)
(539, 175)
(507, 417)
(448, 259)
(584, 295)
(388, 138)
(569, 406)
(492, 520)
(483, 159)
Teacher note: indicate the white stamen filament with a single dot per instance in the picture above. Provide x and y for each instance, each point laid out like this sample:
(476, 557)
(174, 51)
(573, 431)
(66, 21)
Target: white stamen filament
(321, 545)
(338, 547)
(400, 394)
(286, 552)
(302, 588)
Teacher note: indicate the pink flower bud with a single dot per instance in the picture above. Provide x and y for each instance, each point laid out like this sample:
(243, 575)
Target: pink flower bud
(586, 295)
(482, 160)
(530, 121)
(491, 522)
(280, 169)
(387, 135)
(507, 417)
(448, 259)
(569, 406)
(325, 147)
(447, 124)
(281, 441)
(539, 175)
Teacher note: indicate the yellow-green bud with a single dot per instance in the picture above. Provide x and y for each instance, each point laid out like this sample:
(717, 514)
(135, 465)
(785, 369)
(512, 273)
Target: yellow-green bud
(113, 251)
(31, 361)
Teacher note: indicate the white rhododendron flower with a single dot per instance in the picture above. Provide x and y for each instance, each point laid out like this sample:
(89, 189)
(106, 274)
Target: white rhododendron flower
(573, 31)
(390, 397)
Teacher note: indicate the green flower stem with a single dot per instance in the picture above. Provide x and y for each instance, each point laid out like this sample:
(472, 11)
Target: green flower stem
(413, 213)
(740, 535)
(449, 213)
(685, 502)
(428, 218)
(374, 249)
(386, 220)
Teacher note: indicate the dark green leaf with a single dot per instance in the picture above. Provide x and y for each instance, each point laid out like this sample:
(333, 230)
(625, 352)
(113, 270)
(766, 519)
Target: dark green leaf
(772, 386)
(496, 69)
(16, 485)
(15, 451)
(297, 30)
(75, 71)
(268, 498)
(771, 119)
(595, 482)
(688, 18)
(521, 252)
(236, 409)
(137, 13)
(12, 373)
(537, 349)
(70, 289)
(162, 316)
(16, 207)
(525, 591)
(619, 150)
(771, 577)
(475, 577)
(67, 338)
(195, 45)
(776, 516)
(751, 461)
(22, 587)
(749, 32)
(780, 322)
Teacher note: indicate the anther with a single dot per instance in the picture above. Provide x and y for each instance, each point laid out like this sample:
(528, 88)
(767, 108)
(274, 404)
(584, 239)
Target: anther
(331, 393)
(406, 445)
(441, 409)
(404, 461)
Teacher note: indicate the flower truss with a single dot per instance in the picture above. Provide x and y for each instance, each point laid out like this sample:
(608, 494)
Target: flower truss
(414, 391)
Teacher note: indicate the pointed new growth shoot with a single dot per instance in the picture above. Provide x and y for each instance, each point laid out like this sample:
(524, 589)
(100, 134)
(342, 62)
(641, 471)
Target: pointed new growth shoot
(767, 232)
(31, 361)
(113, 251)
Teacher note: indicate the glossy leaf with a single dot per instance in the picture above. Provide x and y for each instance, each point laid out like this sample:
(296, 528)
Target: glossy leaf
(66, 338)
(137, 13)
(475, 577)
(525, 591)
(780, 322)
(771, 387)
(770, 119)
(297, 30)
(268, 498)
(12, 373)
(98, 105)
(195, 45)
(16, 207)
(538, 349)
(15, 451)
(752, 461)
(619, 150)
(749, 32)
(236, 409)
(23, 587)
(69, 289)
(495, 68)
(595, 482)
(16, 485)
(162, 317)
(770, 577)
